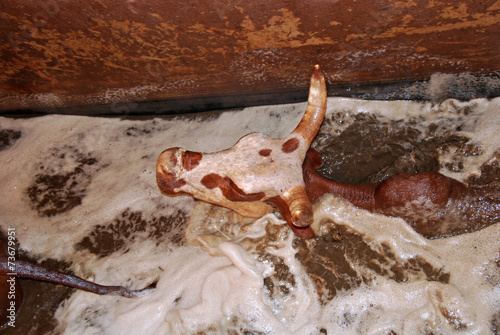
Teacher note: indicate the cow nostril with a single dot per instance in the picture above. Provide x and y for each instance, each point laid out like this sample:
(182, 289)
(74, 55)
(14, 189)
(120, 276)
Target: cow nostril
(168, 167)
(167, 161)
(165, 170)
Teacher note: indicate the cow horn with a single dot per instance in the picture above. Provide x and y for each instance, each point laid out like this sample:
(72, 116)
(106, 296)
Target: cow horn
(300, 207)
(316, 107)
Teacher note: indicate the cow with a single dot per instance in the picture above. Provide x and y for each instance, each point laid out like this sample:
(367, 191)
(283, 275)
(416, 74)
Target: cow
(255, 176)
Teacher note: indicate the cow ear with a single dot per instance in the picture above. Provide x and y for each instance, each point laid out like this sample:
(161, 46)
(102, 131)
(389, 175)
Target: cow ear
(314, 158)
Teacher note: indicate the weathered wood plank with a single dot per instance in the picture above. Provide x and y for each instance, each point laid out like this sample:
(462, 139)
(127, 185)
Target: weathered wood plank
(61, 53)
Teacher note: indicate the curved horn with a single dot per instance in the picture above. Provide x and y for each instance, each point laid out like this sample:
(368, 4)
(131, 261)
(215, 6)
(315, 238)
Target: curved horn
(316, 107)
(300, 207)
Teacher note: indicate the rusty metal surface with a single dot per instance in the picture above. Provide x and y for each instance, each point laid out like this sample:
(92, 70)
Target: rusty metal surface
(63, 53)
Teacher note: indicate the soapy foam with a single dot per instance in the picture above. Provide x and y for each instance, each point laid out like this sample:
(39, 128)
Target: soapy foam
(233, 274)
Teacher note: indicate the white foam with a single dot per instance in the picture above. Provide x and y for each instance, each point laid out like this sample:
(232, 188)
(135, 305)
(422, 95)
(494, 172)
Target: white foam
(224, 289)
(416, 307)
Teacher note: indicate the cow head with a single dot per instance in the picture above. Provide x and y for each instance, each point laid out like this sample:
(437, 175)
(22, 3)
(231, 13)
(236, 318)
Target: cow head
(254, 176)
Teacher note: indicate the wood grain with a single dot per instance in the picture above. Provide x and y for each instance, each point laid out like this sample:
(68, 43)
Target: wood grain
(63, 53)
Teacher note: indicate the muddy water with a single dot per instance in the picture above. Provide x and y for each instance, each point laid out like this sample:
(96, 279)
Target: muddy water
(81, 195)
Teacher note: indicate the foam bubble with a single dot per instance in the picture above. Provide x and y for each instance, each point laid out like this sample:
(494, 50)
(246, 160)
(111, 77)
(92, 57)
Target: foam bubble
(233, 274)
